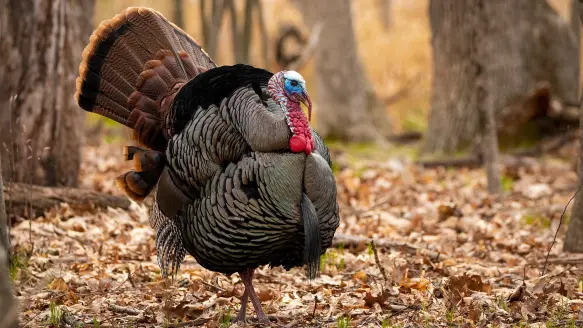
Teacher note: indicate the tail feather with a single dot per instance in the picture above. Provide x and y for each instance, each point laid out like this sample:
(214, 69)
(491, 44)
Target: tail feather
(149, 161)
(133, 66)
(312, 237)
(130, 151)
(137, 185)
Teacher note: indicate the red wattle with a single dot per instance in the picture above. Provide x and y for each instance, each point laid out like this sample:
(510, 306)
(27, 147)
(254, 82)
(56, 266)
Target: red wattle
(297, 143)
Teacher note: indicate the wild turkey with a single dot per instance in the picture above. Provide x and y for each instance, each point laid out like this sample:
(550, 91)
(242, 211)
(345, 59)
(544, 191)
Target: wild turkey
(242, 179)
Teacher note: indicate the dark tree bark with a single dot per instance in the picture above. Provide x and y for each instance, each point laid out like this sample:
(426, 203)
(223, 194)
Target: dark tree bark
(346, 104)
(8, 305)
(574, 236)
(41, 130)
(527, 43)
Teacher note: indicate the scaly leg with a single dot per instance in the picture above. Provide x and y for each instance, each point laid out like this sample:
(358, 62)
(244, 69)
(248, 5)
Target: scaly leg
(247, 278)
(244, 299)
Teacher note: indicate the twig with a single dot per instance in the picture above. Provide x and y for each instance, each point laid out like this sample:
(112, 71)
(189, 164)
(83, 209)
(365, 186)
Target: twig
(123, 309)
(309, 49)
(355, 241)
(378, 262)
(558, 228)
(212, 286)
(130, 277)
(191, 323)
(31, 319)
(315, 306)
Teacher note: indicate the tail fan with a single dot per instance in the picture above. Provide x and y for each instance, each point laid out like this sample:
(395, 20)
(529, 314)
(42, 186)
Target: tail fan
(312, 237)
(132, 68)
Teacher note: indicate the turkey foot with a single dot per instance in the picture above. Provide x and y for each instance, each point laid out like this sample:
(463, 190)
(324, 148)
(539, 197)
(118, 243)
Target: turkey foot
(247, 278)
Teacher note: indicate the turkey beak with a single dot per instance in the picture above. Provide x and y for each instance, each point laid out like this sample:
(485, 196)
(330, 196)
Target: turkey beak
(307, 101)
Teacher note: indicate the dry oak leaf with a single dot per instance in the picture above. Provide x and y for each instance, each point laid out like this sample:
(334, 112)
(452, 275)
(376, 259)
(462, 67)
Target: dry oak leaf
(58, 284)
(420, 284)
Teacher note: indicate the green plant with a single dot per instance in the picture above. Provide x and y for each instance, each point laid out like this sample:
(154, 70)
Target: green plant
(96, 323)
(226, 319)
(323, 261)
(343, 322)
(340, 264)
(501, 302)
(19, 263)
(537, 220)
(386, 323)
(55, 315)
(450, 316)
(507, 183)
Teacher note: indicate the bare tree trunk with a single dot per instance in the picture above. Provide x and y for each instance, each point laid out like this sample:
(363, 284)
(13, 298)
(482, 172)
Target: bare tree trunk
(385, 13)
(8, 305)
(346, 104)
(532, 43)
(574, 236)
(484, 99)
(41, 131)
(211, 28)
(178, 15)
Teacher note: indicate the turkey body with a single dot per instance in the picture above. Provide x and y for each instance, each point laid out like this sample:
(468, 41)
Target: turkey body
(232, 155)
(228, 189)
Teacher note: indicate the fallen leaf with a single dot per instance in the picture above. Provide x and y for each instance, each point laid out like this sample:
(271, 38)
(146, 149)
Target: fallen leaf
(360, 275)
(58, 284)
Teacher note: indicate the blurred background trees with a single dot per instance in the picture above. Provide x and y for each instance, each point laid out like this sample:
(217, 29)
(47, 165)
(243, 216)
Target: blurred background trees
(527, 58)
(469, 77)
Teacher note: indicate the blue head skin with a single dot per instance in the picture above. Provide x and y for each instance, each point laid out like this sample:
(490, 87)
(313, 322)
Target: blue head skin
(294, 86)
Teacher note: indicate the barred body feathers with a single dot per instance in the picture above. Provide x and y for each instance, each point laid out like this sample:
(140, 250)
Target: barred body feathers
(241, 178)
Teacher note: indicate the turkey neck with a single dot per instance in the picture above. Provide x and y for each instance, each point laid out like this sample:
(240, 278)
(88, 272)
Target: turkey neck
(301, 139)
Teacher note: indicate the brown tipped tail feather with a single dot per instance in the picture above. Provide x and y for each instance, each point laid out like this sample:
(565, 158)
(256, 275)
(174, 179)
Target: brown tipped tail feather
(132, 68)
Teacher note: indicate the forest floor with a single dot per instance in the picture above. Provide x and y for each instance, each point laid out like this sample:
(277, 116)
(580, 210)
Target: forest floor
(446, 255)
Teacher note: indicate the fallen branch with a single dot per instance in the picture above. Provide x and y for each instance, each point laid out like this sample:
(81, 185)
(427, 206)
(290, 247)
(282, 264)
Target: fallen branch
(470, 161)
(32, 201)
(572, 260)
(356, 241)
(193, 323)
(406, 137)
(123, 309)
(378, 262)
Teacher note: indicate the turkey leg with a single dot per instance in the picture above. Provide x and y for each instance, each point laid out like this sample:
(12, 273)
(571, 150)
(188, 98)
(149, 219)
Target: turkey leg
(244, 299)
(247, 278)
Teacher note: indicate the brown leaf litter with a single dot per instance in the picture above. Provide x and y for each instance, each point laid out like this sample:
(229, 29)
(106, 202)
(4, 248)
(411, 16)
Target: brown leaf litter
(451, 256)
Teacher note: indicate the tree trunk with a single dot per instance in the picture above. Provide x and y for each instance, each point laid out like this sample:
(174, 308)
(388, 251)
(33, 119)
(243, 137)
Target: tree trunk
(178, 13)
(385, 13)
(346, 104)
(527, 44)
(484, 94)
(8, 305)
(574, 236)
(41, 126)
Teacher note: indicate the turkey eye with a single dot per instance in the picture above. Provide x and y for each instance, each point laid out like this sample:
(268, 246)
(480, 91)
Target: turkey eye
(294, 83)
